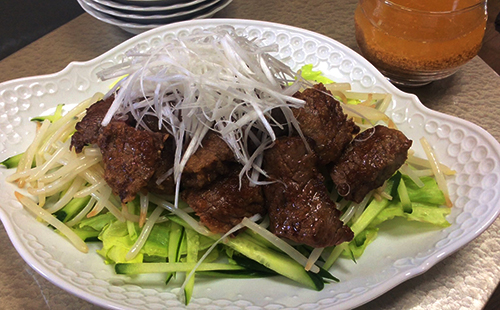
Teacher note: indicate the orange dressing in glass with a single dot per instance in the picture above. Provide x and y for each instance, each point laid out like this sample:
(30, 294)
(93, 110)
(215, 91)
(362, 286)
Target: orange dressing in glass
(396, 39)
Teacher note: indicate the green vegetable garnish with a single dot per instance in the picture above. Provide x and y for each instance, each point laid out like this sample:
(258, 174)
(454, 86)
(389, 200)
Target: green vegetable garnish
(314, 76)
(53, 117)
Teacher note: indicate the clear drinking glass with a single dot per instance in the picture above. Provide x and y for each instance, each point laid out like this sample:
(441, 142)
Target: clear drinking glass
(416, 42)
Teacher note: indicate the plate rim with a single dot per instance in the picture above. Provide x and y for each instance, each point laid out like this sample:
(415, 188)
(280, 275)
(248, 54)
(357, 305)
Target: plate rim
(118, 5)
(136, 28)
(208, 4)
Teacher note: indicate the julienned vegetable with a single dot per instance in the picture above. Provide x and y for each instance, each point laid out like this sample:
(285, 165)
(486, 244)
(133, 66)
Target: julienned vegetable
(161, 234)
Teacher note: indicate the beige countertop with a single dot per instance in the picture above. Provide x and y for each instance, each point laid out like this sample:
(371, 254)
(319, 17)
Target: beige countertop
(464, 280)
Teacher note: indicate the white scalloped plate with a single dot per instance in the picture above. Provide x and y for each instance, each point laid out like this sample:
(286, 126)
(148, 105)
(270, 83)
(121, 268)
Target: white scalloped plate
(158, 18)
(387, 262)
(136, 28)
(151, 8)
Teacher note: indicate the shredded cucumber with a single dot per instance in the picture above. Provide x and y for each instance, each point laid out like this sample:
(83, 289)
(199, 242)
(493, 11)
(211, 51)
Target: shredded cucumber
(193, 243)
(72, 208)
(12, 161)
(141, 268)
(52, 117)
(174, 246)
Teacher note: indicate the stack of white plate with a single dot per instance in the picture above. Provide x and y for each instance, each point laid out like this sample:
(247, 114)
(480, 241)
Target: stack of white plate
(136, 16)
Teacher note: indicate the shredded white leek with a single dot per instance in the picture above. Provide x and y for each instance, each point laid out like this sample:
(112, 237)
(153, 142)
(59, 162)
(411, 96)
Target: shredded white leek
(182, 214)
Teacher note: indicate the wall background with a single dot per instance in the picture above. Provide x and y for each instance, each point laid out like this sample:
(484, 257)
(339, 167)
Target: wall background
(24, 21)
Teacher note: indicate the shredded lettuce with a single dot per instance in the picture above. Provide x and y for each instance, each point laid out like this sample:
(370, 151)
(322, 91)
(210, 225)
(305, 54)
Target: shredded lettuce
(308, 74)
(315, 76)
(429, 214)
(430, 193)
(413, 203)
(358, 245)
(421, 212)
(97, 222)
(425, 205)
(117, 242)
(86, 234)
(392, 211)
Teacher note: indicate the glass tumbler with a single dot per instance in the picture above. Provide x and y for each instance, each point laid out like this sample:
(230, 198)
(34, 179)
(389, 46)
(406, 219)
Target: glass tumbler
(416, 42)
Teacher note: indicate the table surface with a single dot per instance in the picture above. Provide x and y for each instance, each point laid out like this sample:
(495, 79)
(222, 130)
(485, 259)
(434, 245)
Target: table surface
(466, 279)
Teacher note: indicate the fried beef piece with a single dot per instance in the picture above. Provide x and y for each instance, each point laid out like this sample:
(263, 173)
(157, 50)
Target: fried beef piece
(167, 184)
(298, 203)
(372, 157)
(151, 122)
(130, 157)
(87, 130)
(323, 120)
(212, 159)
(223, 204)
